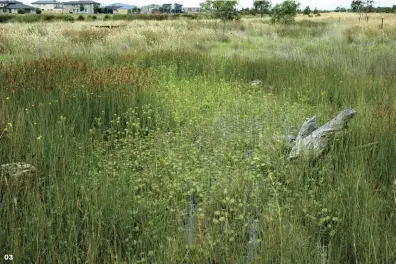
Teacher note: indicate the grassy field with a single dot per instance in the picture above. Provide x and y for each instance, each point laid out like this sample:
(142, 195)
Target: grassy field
(151, 146)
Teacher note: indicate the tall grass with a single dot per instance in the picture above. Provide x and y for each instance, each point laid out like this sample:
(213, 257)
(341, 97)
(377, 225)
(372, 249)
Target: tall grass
(150, 148)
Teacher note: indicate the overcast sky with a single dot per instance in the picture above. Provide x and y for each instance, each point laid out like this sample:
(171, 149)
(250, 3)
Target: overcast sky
(320, 4)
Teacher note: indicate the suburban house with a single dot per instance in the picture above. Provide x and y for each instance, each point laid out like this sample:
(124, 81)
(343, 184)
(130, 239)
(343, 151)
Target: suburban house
(83, 6)
(11, 6)
(191, 10)
(119, 8)
(150, 9)
(49, 6)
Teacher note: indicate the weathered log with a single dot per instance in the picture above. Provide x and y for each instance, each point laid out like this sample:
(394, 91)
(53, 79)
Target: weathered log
(311, 144)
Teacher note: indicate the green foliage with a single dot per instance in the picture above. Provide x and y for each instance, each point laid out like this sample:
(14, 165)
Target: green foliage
(136, 10)
(68, 18)
(81, 18)
(357, 5)
(225, 10)
(97, 9)
(285, 12)
(106, 17)
(21, 11)
(262, 7)
(82, 8)
(307, 11)
(38, 11)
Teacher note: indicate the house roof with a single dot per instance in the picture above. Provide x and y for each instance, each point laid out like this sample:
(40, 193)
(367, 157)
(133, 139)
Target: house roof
(119, 6)
(152, 5)
(19, 5)
(80, 2)
(46, 2)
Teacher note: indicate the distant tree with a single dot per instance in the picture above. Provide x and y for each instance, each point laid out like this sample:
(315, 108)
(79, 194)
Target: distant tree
(38, 11)
(165, 9)
(262, 6)
(285, 12)
(369, 6)
(316, 12)
(225, 10)
(357, 5)
(136, 10)
(82, 8)
(97, 9)
(307, 11)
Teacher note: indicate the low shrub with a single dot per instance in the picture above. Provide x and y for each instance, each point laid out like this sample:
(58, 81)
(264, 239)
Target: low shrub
(6, 18)
(68, 18)
(31, 18)
(48, 18)
(81, 18)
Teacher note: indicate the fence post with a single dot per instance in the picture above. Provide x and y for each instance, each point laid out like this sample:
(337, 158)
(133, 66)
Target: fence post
(382, 23)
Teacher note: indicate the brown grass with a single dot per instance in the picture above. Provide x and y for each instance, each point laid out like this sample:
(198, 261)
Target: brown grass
(87, 36)
(4, 42)
(46, 74)
(120, 76)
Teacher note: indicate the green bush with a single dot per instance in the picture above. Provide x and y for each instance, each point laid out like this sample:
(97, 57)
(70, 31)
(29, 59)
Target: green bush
(6, 18)
(284, 13)
(106, 17)
(38, 11)
(21, 11)
(48, 17)
(68, 18)
(94, 17)
(30, 18)
(81, 18)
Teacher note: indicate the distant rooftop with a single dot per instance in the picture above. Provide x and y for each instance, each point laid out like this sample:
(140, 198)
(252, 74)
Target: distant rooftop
(18, 5)
(84, 2)
(119, 6)
(46, 2)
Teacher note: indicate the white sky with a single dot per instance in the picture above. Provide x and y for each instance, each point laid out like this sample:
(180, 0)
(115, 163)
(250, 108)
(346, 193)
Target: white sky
(320, 4)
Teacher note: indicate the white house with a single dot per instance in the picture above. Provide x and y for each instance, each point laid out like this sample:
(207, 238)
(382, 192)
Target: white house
(150, 9)
(82, 6)
(191, 10)
(48, 5)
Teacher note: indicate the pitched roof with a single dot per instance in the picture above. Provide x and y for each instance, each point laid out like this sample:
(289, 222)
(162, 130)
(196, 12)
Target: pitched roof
(119, 6)
(19, 5)
(152, 5)
(80, 2)
(46, 2)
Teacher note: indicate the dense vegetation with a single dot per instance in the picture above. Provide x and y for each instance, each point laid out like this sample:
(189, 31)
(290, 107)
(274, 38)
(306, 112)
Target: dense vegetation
(151, 146)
